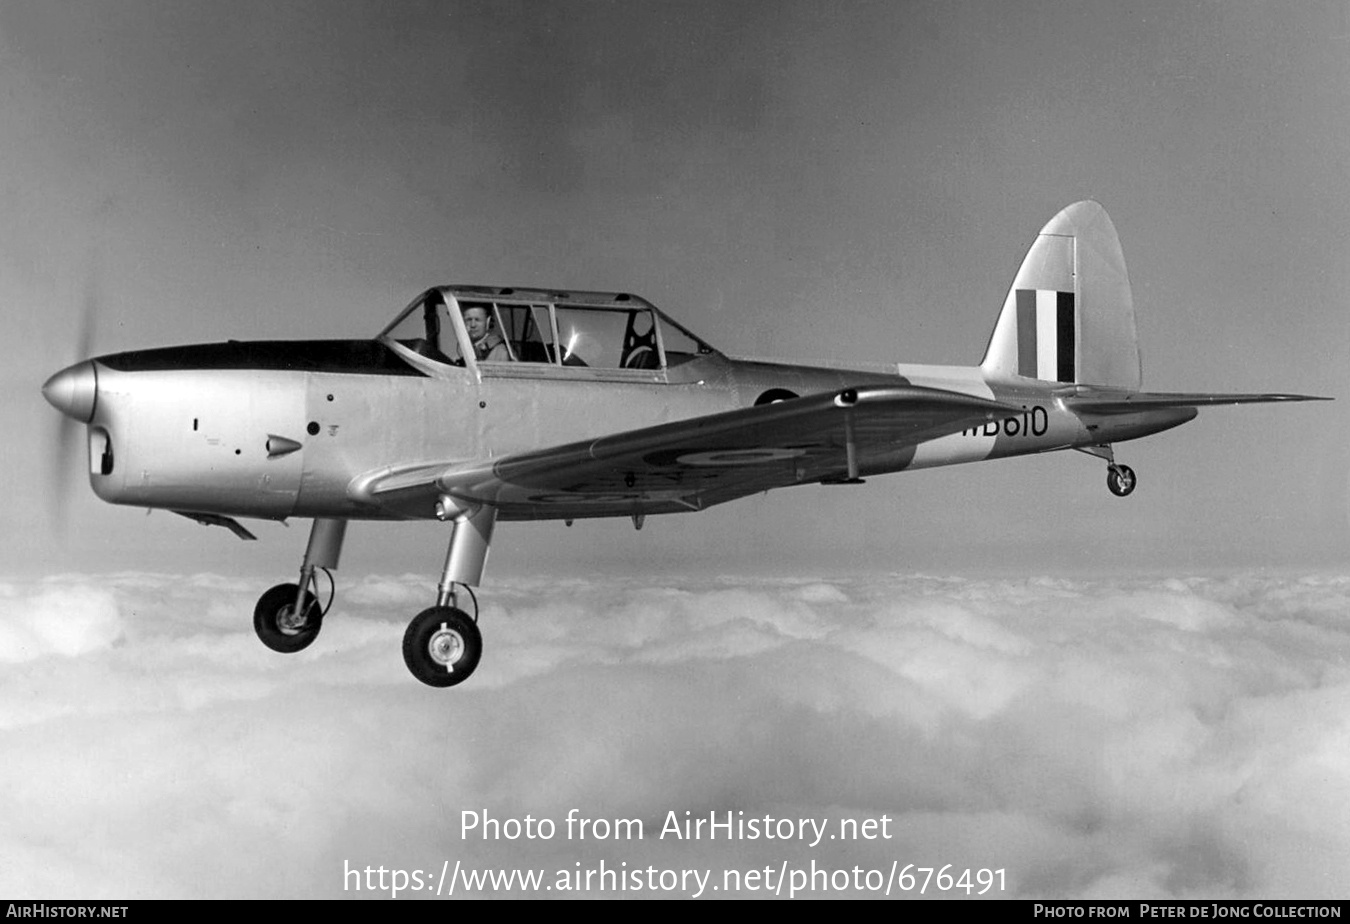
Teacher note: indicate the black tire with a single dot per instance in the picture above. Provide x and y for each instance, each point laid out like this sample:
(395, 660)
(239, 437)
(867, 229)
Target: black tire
(1120, 480)
(442, 646)
(274, 625)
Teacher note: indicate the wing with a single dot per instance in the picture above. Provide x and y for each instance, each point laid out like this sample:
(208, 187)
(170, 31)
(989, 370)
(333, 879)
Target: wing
(693, 464)
(1107, 402)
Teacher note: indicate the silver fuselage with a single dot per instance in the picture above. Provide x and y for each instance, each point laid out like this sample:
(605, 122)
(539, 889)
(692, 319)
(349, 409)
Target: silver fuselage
(277, 430)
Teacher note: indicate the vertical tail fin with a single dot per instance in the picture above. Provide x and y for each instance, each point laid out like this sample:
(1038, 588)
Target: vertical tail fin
(1069, 315)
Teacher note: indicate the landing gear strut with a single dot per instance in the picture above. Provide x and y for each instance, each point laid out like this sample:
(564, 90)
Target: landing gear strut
(1120, 479)
(442, 645)
(288, 617)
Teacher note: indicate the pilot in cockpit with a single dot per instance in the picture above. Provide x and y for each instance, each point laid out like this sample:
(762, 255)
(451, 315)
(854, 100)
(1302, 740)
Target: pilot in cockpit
(487, 341)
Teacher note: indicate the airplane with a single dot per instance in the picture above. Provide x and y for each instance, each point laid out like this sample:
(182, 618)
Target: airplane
(573, 404)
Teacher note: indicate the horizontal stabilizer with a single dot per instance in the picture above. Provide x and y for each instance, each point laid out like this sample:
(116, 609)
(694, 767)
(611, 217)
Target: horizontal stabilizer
(1129, 402)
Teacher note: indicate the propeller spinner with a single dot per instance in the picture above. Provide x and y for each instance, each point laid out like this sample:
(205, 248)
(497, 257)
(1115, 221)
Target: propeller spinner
(74, 391)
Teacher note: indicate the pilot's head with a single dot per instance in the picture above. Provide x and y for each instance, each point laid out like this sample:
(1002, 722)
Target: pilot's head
(477, 322)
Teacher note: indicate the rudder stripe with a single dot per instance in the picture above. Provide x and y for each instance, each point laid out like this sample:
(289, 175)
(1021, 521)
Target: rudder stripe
(1068, 371)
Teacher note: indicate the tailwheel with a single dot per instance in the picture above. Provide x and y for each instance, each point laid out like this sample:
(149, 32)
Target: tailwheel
(1120, 480)
(278, 624)
(442, 646)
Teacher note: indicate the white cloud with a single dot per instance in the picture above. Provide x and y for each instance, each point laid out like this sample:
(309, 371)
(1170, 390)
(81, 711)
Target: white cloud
(1125, 738)
(65, 621)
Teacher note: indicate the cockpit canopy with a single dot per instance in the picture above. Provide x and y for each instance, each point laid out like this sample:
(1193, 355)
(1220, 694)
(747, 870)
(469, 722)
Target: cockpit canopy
(492, 327)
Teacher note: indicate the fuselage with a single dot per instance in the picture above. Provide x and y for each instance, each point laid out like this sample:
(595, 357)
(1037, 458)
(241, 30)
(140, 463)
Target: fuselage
(284, 429)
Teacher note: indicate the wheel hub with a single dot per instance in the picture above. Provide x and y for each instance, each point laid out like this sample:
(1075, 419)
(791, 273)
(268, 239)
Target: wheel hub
(289, 621)
(446, 647)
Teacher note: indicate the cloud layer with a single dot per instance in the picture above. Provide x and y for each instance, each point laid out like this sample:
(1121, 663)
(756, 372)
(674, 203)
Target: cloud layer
(1123, 738)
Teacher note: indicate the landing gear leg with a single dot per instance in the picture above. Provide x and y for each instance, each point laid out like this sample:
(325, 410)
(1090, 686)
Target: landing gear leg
(1120, 479)
(288, 617)
(442, 644)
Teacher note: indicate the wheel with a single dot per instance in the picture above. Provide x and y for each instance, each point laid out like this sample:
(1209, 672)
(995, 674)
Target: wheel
(442, 646)
(275, 620)
(1120, 480)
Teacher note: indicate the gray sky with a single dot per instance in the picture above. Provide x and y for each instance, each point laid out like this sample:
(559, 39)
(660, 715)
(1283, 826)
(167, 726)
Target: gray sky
(809, 181)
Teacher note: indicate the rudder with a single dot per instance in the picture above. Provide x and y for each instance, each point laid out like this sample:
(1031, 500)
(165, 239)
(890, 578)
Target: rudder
(1069, 314)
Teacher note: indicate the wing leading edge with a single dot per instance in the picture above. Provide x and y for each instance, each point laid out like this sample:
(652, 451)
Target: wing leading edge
(696, 463)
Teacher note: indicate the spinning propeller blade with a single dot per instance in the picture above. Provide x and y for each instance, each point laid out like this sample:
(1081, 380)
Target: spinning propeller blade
(66, 391)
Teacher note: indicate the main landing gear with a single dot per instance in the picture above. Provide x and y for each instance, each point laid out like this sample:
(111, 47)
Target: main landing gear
(442, 645)
(282, 625)
(1120, 479)
(288, 617)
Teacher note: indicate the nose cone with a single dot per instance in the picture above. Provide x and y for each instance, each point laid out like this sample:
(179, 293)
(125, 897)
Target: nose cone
(73, 391)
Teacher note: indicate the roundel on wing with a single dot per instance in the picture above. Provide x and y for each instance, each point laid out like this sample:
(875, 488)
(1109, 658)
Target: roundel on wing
(720, 457)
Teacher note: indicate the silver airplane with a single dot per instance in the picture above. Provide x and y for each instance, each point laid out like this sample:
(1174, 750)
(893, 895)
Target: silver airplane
(484, 403)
